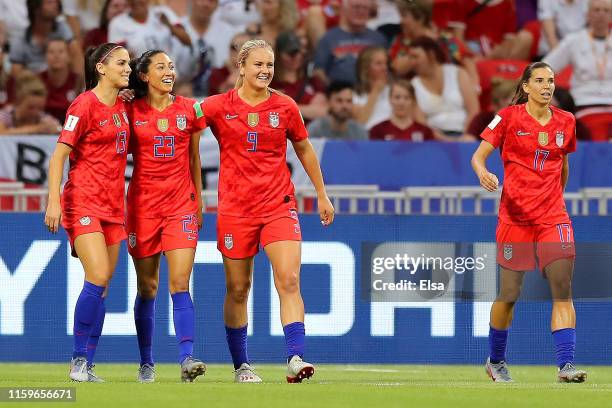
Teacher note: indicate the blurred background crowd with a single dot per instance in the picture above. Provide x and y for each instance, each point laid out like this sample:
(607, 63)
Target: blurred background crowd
(414, 70)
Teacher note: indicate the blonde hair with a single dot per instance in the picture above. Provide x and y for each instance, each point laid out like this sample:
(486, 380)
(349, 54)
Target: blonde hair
(289, 15)
(244, 53)
(362, 67)
(29, 84)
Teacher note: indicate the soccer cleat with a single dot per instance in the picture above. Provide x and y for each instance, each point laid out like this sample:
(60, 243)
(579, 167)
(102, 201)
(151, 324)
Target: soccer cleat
(78, 369)
(91, 375)
(298, 370)
(191, 368)
(146, 373)
(246, 374)
(498, 372)
(569, 373)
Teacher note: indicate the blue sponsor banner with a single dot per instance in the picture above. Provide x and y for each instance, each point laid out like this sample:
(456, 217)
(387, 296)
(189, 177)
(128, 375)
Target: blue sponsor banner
(39, 283)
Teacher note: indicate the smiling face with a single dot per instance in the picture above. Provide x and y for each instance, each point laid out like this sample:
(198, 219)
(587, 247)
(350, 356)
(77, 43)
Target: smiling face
(541, 86)
(116, 70)
(160, 75)
(258, 69)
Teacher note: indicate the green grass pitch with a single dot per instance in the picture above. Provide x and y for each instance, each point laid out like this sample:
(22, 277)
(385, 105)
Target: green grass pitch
(414, 386)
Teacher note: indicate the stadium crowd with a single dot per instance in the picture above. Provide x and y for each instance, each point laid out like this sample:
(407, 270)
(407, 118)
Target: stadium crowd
(359, 69)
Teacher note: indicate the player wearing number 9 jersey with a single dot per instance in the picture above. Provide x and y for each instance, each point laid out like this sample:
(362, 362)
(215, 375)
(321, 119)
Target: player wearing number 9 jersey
(257, 207)
(535, 139)
(164, 203)
(95, 137)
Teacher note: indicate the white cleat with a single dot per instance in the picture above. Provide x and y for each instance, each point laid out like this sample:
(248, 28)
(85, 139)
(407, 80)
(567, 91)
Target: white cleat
(570, 374)
(78, 369)
(498, 371)
(246, 374)
(91, 375)
(299, 370)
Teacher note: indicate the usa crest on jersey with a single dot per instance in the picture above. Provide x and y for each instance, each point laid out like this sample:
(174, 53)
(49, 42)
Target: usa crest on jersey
(507, 252)
(274, 119)
(559, 138)
(181, 122)
(117, 120)
(229, 241)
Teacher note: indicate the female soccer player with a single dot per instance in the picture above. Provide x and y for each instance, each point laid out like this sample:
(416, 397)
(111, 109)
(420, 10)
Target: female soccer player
(256, 201)
(534, 138)
(164, 203)
(95, 136)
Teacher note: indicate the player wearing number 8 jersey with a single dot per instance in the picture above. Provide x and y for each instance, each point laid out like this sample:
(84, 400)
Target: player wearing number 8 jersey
(164, 204)
(534, 139)
(95, 137)
(257, 207)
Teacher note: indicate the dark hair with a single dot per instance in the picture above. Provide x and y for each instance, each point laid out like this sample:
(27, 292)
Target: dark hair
(33, 6)
(103, 19)
(140, 66)
(519, 95)
(93, 56)
(429, 45)
(421, 10)
(404, 84)
(338, 86)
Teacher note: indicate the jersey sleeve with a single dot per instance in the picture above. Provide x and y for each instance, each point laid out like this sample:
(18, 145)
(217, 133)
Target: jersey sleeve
(199, 120)
(296, 131)
(495, 131)
(76, 123)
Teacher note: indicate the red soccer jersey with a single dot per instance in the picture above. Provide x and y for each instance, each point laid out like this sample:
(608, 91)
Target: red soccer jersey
(161, 184)
(59, 98)
(254, 179)
(533, 157)
(98, 135)
(388, 131)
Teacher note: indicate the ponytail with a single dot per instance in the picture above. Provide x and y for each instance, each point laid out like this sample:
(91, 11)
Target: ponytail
(94, 56)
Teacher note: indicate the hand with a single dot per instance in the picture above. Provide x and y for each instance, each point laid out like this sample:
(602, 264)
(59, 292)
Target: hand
(49, 125)
(489, 181)
(326, 209)
(53, 215)
(377, 87)
(127, 95)
(164, 19)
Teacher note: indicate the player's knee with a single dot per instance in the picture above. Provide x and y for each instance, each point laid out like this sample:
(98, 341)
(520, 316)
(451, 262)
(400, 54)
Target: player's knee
(178, 285)
(147, 289)
(509, 295)
(238, 291)
(287, 283)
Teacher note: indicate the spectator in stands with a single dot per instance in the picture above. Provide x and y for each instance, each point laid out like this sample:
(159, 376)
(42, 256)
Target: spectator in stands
(62, 84)
(210, 39)
(371, 98)
(588, 52)
(556, 19)
(416, 22)
(444, 92)
(28, 115)
(276, 16)
(181, 8)
(319, 16)
(14, 15)
(237, 13)
(290, 77)
(28, 50)
(402, 124)
(4, 75)
(487, 26)
(82, 15)
(146, 27)
(338, 123)
(223, 79)
(99, 35)
(502, 92)
(337, 51)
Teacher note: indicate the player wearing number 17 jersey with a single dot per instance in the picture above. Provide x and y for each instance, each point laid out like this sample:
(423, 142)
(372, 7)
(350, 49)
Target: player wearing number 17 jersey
(257, 207)
(164, 204)
(535, 140)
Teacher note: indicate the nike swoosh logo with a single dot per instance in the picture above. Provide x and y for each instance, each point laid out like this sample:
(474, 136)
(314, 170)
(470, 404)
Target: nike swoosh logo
(230, 117)
(103, 122)
(139, 123)
(521, 133)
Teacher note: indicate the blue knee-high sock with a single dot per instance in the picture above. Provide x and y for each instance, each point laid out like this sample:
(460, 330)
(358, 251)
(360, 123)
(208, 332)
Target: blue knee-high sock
(85, 313)
(497, 345)
(144, 318)
(96, 331)
(184, 323)
(565, 345)
(237, 343)
(295, 334)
